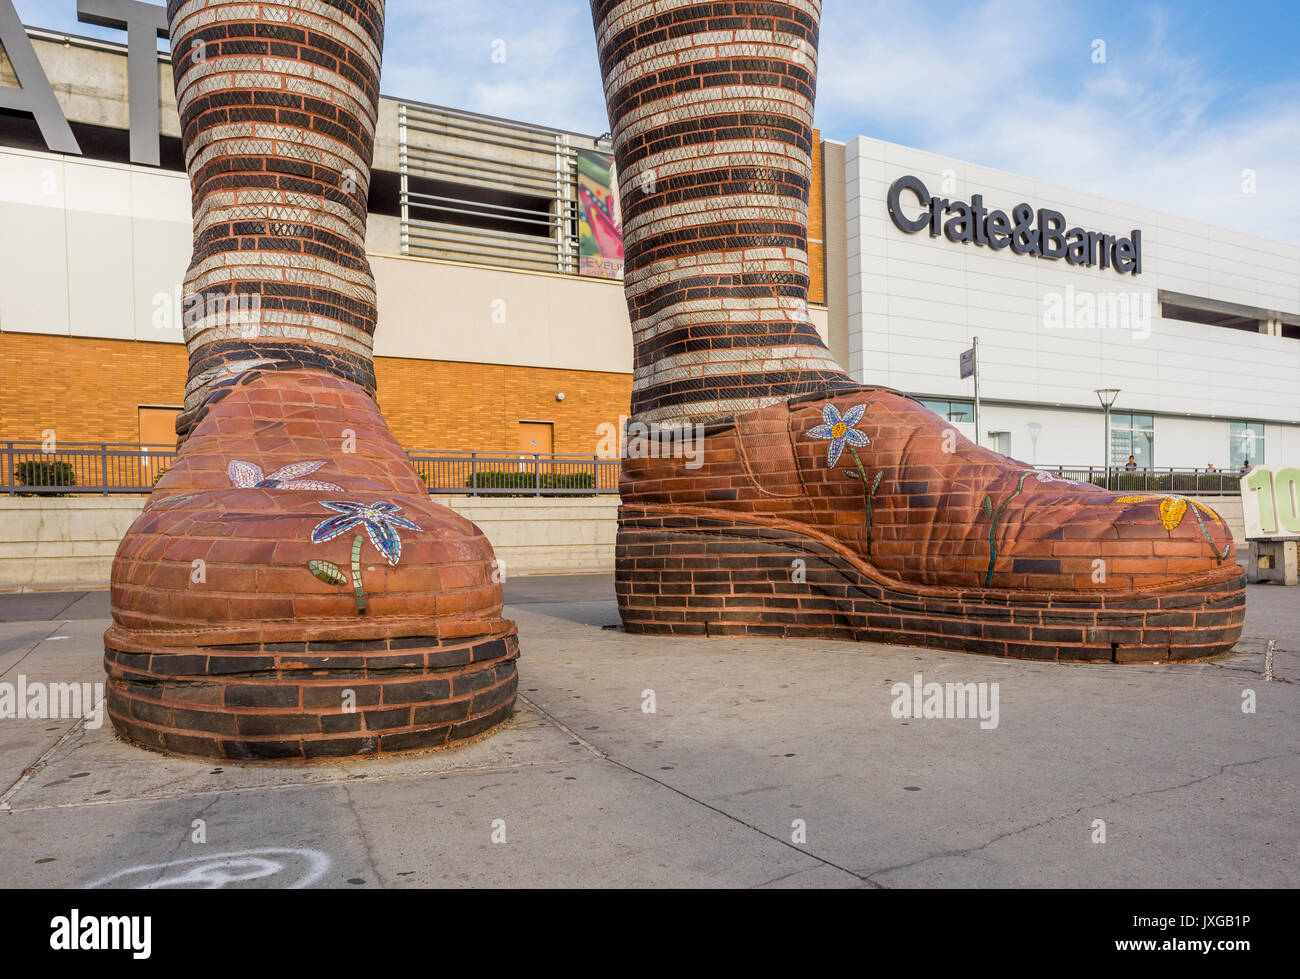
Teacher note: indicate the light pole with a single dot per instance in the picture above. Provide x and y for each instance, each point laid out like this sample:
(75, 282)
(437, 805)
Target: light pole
(1107, 398)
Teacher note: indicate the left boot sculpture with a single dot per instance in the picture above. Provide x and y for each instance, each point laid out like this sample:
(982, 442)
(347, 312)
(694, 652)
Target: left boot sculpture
(290, 591)
(812, 505)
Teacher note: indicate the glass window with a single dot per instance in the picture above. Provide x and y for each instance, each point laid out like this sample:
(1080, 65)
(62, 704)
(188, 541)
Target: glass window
(1245, 443)
(1132, 435)
(953, 411)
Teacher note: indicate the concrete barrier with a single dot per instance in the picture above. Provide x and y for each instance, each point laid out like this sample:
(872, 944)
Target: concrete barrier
(47, 543)
(70, 541)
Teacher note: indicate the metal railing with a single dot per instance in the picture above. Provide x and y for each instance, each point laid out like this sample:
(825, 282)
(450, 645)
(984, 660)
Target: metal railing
(515, 474)
(1182, 482)
(28, 469)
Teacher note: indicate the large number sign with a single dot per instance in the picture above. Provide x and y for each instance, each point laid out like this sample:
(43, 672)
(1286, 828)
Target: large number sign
(1270, 499)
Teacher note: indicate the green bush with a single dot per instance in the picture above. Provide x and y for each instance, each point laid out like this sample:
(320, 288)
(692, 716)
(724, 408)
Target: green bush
(41, 472)
(516, 480)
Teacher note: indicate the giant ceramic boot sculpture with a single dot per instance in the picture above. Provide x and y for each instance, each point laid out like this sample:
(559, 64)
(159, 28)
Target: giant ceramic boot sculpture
(290, 591)
(824, 508)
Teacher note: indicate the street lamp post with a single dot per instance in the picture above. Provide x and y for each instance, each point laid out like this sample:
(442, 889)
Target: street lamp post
(1107, 398)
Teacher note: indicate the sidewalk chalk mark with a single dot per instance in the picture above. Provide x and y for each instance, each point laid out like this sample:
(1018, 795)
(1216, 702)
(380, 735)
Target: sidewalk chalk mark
(217, 870)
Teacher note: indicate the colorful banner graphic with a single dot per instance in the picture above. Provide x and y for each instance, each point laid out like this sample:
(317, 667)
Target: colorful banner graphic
(600, 217)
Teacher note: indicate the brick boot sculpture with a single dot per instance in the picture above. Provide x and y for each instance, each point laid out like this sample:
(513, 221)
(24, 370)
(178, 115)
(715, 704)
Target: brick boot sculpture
(810, 505)
(290, 592)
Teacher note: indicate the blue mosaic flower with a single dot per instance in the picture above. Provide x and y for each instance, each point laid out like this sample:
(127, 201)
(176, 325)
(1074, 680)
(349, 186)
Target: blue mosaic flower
(840, 430)
(379, 519)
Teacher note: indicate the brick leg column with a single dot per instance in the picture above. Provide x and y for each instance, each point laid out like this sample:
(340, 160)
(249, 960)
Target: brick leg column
(711, 108)
(290, 591)
(278, 102)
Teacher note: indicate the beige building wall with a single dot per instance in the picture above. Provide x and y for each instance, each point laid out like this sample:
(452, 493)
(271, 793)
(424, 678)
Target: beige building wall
(104, 247)
(837, 283)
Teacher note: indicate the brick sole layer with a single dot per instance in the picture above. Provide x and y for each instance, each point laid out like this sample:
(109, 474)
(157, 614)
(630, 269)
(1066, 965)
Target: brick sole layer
(288, 701)
(679, 573)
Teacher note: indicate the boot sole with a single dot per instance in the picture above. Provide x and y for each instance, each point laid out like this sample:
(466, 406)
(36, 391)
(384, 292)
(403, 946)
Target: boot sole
(290, 700)
(703, 572)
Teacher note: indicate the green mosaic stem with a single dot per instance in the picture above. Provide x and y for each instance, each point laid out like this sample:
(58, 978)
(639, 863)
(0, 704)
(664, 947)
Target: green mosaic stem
(867, 491)
(1218, 558)
(993, 547)
(356, 575)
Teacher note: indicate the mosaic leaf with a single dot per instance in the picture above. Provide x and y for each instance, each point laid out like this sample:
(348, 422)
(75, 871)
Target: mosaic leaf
(245, 475)
(988, 506)
(875, 485)
(327, 572)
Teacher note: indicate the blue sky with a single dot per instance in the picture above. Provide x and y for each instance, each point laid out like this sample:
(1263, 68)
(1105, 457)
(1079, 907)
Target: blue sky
(1189, 96)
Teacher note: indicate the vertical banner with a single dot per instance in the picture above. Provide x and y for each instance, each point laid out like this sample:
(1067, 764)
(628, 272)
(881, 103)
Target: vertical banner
(600, 217)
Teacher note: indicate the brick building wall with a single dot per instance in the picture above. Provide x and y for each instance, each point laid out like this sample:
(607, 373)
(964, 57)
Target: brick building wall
(90, 390)
(817, 226)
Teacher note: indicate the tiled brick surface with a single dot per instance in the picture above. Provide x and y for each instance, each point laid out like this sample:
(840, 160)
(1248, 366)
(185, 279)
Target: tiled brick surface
(278, 103)
(685, 574)
(214, 593)
(308, 700)
(957, 546)
(290, 591)
(710, 106)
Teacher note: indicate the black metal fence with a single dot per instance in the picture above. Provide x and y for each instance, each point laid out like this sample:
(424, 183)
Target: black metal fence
(513, 474)
(1184, 482)
(61, 469)
(107, 468)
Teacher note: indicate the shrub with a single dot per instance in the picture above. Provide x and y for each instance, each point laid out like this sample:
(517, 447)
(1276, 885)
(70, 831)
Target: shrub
(516, 480)
(43, 472)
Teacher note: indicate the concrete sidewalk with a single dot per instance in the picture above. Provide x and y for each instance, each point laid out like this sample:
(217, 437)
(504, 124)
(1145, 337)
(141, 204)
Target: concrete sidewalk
(749, 742)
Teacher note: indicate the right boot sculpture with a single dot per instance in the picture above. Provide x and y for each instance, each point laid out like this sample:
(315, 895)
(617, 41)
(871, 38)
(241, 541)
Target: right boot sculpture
(815, 506)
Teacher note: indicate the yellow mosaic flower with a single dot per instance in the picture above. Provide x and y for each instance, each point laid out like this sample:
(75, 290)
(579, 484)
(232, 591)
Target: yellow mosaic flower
(1172, 508)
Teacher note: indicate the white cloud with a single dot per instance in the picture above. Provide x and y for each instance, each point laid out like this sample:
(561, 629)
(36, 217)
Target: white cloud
(1002, 84)
(544, 71)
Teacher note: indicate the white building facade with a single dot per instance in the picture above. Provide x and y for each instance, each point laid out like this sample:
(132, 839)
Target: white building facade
(1198, 327)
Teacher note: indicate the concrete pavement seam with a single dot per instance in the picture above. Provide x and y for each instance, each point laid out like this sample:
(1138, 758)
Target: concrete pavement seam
(606, 756)
(563, 727)
(31, 770)
(1050, 819)
(365, 837)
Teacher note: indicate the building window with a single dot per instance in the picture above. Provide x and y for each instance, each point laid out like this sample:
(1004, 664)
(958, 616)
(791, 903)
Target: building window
(1132, 435)
(953, 411)
(1245, 444)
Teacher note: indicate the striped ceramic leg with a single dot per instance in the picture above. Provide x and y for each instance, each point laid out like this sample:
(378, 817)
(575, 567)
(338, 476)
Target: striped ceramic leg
(278, 102)
(711, 108)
